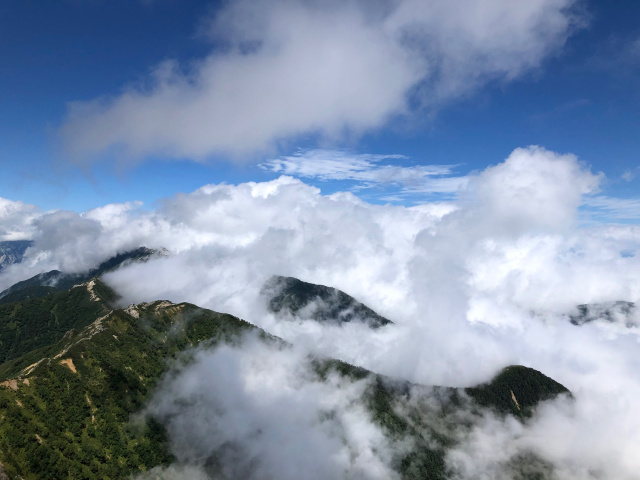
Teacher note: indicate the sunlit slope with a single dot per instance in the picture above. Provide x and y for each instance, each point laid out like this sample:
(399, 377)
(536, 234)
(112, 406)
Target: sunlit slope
(31, 324)
(66, 408)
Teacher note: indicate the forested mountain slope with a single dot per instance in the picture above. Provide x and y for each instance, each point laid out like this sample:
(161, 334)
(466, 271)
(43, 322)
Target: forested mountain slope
(70, 392)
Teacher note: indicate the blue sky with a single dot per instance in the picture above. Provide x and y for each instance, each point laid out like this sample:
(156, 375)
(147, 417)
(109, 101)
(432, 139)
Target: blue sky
(572, 89)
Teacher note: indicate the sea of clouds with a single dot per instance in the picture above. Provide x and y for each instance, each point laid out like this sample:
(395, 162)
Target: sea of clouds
(473, 285)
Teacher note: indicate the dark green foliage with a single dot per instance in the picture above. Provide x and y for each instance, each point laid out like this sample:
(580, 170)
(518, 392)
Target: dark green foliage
(526, 385)
(28, 292)
(85, 419)
(424, 416)
(41, 284)
(31, 324)
(290, 295)
(380, 398)
(325, 366)
(434, 419)
(426, 458)
(56, 281)
(140, 253)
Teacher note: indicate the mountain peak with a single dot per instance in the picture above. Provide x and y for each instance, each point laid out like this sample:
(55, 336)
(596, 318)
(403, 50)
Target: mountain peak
(516, 390)
(55, 281)
(291, 297)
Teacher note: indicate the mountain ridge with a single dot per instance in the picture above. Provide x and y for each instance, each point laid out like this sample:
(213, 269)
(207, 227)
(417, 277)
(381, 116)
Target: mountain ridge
(113, 358)
(291, 297)
(53, 281)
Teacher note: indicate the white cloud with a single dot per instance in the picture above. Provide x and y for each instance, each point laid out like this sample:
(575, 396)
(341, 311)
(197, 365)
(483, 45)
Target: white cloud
(472, 285)
(288, 68)
(272, 419)
(533, 190)
(113, 215)
(15, 219)
(367, 171)
(73, 242)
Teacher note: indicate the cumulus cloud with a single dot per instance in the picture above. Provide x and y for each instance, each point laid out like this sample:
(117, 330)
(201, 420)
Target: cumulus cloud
(283, 68)
(15, 219)
(471, 289)
(534, 189)
(472, 285)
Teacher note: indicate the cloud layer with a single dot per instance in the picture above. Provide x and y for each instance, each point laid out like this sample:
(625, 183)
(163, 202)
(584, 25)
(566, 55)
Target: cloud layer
(472, 285)
(284, 68)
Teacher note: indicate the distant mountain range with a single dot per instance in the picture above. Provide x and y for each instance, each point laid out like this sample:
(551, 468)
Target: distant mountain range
(75, 368)
(56, 281)
(12, 252)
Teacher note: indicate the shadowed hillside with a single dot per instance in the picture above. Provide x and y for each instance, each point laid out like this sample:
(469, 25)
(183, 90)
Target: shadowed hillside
(288, 295)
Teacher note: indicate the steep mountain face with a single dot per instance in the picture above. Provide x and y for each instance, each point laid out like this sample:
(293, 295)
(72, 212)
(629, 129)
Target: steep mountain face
(620, 312)
(56, 281)
(77, 371)
(12, 251)
(294, 298)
